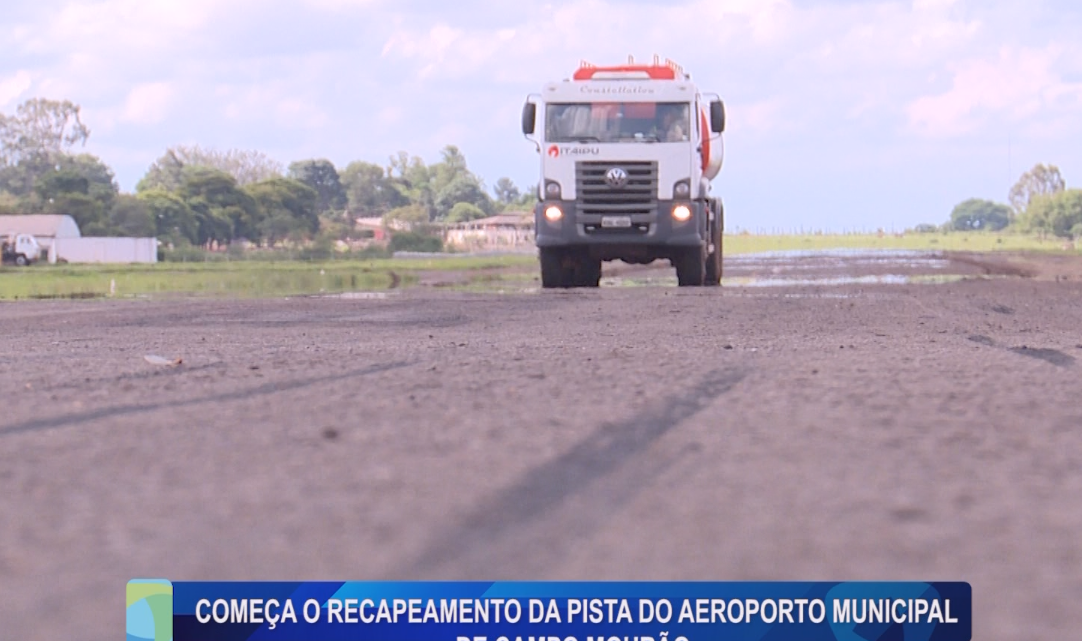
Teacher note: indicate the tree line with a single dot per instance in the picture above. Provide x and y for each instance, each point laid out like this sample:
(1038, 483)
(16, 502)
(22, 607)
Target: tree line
(197, 196)
(1040, 203)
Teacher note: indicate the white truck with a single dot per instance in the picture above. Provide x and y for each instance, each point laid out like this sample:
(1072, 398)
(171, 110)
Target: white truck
(19, 249)
(628, 154)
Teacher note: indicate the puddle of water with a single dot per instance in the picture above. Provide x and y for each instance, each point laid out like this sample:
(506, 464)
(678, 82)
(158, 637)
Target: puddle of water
(852, 258)
(886, 279)
(357, 296)
(876, 254)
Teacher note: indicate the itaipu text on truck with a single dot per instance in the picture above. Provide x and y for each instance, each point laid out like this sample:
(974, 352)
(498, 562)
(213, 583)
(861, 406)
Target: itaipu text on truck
(627, 158)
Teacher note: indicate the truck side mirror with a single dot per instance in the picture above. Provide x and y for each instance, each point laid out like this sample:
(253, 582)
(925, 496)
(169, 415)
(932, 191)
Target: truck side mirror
(717, 117)
(529, 118)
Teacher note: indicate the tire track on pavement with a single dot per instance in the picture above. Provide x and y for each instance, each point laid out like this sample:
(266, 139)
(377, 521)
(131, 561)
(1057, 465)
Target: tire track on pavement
(69, 420)
(526, 527)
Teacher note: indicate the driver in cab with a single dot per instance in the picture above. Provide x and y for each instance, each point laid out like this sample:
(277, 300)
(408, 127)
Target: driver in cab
(673, 126)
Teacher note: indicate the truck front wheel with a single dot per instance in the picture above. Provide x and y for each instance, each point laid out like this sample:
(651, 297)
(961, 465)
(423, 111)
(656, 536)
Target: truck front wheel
(587, 271)
(553, 273)
(566, 268)
(690, 267)
(21, 261)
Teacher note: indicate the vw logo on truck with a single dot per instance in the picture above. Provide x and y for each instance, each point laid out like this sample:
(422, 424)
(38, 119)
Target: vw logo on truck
(616, 177)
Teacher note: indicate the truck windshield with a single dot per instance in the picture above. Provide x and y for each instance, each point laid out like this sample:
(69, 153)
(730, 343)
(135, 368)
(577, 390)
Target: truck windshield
(617, 122)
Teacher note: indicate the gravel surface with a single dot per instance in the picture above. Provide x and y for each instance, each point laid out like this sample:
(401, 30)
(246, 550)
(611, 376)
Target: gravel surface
(862, 432)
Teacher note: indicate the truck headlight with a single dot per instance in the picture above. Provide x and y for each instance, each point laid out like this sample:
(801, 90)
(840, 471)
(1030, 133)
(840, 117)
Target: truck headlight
(681, 213)
(682, 189)
(553, 190)
(553, 213)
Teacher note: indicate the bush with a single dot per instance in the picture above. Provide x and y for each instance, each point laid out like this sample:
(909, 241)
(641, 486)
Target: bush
(413, 242)
(318, 251)
(190, 254)
(370, 252)
(975, 214)
(1059, 214)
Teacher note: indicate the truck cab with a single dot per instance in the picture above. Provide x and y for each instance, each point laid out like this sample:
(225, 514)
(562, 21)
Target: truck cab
(627, 158)
(19, 249)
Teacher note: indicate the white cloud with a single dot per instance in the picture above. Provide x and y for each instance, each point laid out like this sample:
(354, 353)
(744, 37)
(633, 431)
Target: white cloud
(275, 103)
(340, 5)
(131, 26)
(149, 104)
(764, 116)
(1016, 85)
(14, 87)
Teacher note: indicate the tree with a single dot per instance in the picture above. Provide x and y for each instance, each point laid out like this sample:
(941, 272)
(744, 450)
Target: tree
(975, 214)
(79, 174)
(64, 181)
(41, 129)
(223, 210)
(101, 182)
(9, 203)
(289, 208)
(246, 167)
(451, 167)
(321, 176)
(130, 216)
(1041, 180)
(452, 183)
(165, 174)
(174, 220)
(38, 139)
(370, 191)
(82, 188)
(1059, 214)
(506, 191)
(465, 188)
(463, 212)
(88, 213)
(413, 180)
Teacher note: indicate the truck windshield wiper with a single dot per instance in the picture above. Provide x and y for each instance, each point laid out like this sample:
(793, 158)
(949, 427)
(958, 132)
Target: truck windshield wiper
(587, 139)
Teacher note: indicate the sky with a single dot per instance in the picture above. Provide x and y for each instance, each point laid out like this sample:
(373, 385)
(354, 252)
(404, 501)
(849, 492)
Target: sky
(842, 116)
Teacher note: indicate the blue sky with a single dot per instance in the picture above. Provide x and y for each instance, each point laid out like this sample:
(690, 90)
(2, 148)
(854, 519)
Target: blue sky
(842, 115)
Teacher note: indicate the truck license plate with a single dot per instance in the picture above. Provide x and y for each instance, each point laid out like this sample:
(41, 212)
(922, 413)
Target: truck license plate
(616, 222)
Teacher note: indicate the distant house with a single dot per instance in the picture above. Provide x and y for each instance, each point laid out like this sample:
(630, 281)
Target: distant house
(507, 230)
(372, 224)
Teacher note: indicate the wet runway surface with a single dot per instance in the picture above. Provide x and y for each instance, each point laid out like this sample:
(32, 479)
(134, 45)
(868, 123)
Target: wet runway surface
(863, 431)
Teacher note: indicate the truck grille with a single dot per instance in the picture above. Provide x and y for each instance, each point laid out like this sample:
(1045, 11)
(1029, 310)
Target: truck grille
(596, 197)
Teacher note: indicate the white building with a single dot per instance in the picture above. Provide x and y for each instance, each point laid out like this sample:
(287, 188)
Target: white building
(44, 227)
(61, 240)
(503, 231)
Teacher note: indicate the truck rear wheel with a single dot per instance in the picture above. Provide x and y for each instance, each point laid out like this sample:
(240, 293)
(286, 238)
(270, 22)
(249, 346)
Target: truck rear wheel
(690, 267)
(713, 264)
(714, 259)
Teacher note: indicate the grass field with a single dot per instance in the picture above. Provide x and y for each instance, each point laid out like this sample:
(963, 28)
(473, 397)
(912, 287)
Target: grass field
(955, 241)
(248, 278)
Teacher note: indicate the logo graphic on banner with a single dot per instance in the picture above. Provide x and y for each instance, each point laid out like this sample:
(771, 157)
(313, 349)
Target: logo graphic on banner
(150, 610)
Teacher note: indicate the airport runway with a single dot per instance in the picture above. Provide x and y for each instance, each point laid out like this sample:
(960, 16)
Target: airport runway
(829, 417)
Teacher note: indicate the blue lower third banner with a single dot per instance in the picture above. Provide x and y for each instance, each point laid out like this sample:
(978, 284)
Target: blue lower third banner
(586, 611)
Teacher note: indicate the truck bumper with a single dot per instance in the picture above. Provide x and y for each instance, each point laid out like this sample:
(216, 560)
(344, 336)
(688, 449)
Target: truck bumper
(658, 229)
